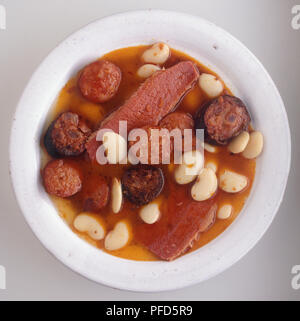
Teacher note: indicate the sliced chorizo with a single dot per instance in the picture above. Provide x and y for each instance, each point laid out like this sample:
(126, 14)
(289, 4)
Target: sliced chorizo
(178, 120)
(181, 121)
(223, 118)
(142, 183)
(67, 135)
(95, 193)
(162, 152)
(62, 178)
(99, 81)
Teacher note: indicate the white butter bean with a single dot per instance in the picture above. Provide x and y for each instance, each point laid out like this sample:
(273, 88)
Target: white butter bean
(116, 195)
(210, 85)
(157, 54)
(192, 163)
(115, 147)
(224, 212)
(118, 237)
(232, 182)
(239, 143)
(205, 185)
(150, 213)
(210, 148)
(147, 70)
(87, 223)
(212, 165)
(255, 145)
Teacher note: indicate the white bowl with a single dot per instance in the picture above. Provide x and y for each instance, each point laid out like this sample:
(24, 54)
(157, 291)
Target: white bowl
(245, 76)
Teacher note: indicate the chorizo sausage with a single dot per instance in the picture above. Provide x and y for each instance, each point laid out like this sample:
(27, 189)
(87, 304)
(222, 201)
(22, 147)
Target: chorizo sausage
(223, 118)
(62, 178)
(181, 121)
(177, 120)
(142, 183)
(99, 81)
(164, 151)
(67, 135)
(95, 193)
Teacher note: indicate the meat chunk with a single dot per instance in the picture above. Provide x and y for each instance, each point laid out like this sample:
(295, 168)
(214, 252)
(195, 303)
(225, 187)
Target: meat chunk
(181, 222)
(223, 118)
(142, 183)
(99, 81)
(95, 193)
(62, 178)
(67, 135)
(154, 99)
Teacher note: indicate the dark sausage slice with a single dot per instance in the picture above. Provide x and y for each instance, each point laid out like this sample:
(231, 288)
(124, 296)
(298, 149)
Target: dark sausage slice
(62, 178)
(177, 120)
(67, 135)
(95, 193)
(223, 118)
(142, 183)
(99, 81)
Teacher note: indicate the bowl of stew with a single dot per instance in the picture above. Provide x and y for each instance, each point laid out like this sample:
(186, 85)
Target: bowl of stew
(92, 191)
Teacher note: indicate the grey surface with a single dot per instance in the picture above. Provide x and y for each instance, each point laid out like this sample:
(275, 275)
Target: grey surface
(34, 28)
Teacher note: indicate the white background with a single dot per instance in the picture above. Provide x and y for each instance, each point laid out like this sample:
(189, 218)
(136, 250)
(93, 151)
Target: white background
(35, 27)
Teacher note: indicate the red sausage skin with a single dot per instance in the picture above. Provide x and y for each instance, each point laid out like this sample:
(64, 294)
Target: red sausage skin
(99, 81)
(177, 120)
(62, 178)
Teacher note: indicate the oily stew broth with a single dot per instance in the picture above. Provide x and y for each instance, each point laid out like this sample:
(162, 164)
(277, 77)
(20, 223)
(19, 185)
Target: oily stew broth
(70, 99)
